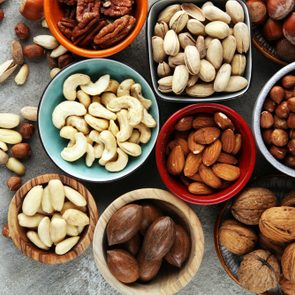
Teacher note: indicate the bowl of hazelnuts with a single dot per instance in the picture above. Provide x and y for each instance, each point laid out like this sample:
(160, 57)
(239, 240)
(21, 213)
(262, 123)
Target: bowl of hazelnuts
(274, 120)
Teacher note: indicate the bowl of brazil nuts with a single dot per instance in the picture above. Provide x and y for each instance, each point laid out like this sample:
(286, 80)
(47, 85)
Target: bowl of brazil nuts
(51, 218)
(274, 120)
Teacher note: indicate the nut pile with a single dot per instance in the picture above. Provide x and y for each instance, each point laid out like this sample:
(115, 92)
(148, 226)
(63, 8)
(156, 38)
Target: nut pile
(96, 24)
(51, 220)
(262, 230)
(203, 152)
(277, 121)
(276, 21)
(200, 51)
(109, 122)
(142, 239)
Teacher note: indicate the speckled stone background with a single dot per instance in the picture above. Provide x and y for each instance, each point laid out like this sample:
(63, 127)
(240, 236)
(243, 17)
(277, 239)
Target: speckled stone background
(21, 275)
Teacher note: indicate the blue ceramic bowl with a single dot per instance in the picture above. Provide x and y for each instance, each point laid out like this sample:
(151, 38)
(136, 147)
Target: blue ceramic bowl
(54, 144)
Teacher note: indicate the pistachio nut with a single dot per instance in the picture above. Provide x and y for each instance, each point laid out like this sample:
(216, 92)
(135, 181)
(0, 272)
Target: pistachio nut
(168, 12)
(215, 53)
(6, 69)
(171, 43)
(208, 3)
(222, 78)
(236, 83)
(163, 69)
(207, 41)
(235, 10)
(193, 11)
(229, 45)
(186, 39)
(180, 78)
(195, 27)
(158, 49)
(242, 35)
(238, 65)
(193, 79)
(207, 71)
(178, 21)
(161, 29)
(214, 13)
(200, 90)
(192, 59)
(165, 84)
(176, 60)
(217, 29)
(200, 44)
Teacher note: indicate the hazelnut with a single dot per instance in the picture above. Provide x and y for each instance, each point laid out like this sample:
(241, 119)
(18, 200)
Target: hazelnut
(288, 28)
(269, 105)
(257, 10)
(21, 150)
(280, 123)
(266, 134)
(290, 161)
(292, 134)
(266, 119)
(279, 9)
(291, 147)
(278, 152)
(272, 30)
(14, 183)
(33, 51)
(291, 121)
(64, 60)
(1, 15)
(279, 137)
(282, 110)
(289, 93)
(22, 31)
(277, 94)
(26, 130)
(5, 231)
(285, 50)
(288, 81)
(291, 104)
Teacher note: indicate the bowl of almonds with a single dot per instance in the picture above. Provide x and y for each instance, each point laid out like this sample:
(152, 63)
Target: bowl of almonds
(205, 153)
(51, 218)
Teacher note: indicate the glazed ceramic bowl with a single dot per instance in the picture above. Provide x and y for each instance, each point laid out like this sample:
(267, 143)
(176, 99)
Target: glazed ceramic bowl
(168, 281)
(247, 156)
(53, 13)
(54, 144)
(256, 119)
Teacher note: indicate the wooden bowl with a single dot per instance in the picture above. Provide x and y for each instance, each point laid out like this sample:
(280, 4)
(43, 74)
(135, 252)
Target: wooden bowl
(18, 233)
(169, 281)
(280, 185)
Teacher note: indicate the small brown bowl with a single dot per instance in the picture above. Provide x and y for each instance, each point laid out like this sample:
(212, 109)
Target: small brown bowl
(18, 233)
(168, 281)
(280, 185)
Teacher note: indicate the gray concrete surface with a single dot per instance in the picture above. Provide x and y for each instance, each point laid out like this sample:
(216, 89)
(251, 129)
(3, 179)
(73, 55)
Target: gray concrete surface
(21, 275)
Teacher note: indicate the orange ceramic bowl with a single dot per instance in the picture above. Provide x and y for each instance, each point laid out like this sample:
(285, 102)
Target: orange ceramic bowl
(53, 13)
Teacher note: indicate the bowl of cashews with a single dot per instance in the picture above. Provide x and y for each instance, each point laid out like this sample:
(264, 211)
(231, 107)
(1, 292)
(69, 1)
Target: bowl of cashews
(98, 120)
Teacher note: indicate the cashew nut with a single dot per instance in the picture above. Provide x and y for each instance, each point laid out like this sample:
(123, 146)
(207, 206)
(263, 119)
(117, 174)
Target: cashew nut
(124, 87)
(136, 92)
(90, 157)
(84, 98)
(78, 123)
(119, 164)
(75, 152)
(98, 110)
(130, 148)
(94, 136)
(125, 128)
(71, 84)
(113, 128)
(145, 133)
(135, 136)
(98, 87)
(66, 109)
(132, 104)
(113, 86)
(68, 132)
(98, 150)
(110, 147)
(107, 97)
(148, 120)
(96, 123)
(89, 140)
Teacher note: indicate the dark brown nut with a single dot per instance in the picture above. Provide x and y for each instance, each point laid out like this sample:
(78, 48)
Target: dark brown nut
(223, 121)
(272, 30)
(17, 52)
(288, 263)
(209, 177)
(289, 93)
(266, 134)
(148, 269)
(175, 161)
(159, 239)
(236, 237)
(133, 245)
(52, 62)
(279, 137)
(22, 31)
(285, 50)
(149, 214)
(26, 130)
(289, 199)
(199, 188)
(291, 121)
(280, 123)
(124, 224)
(2, 15)
(115, 8)
(269, 105)
(290, 161)
(288, 81)
(282, 110)
(33, 51)
(292, 134)
(14, 183)
(266, 119)
(21, 150)
(185, 180)
(291, 147)
(180, 250)
(181, 142)
(64, 60)
(123, 266)
(277, 94)
(5, 231)
(203, 120)
(278, 152)
(184, 124)
(287, 286)
(251, 203)
(266, 268)
(274, 247)
(291, 104)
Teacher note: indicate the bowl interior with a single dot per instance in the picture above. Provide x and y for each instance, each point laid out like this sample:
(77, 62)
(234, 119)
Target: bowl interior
(170, 280)
(54, 13)
(247, 155)
(152, 19)
(18, 233)
(53, 95)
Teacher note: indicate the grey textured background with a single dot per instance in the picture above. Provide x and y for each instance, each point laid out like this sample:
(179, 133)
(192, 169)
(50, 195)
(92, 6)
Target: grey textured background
(21, 275)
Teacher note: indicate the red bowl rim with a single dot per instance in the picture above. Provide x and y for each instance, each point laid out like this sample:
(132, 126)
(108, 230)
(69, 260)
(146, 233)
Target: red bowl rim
(220, 196)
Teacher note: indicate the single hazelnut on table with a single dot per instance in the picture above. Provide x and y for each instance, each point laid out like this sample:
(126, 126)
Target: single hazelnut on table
(266, 119)
(279, 137)
(33, 51)
(277, 94)
(278, 152)
(26, 130)
(22, 31)
(14, 183)
(272, 30)
(282, 111)
(21, 150)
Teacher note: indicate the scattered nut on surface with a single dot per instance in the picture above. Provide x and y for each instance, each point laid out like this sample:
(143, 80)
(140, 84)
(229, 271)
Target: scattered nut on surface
(22, 31)
(26, 130)
(14, 183)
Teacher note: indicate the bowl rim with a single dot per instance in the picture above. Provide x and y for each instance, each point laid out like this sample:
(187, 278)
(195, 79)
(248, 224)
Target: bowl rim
(155, 130)
(154, 194)
(238, 185)
(256, 119)
(185, 98)
(95, 53)
(28, 248)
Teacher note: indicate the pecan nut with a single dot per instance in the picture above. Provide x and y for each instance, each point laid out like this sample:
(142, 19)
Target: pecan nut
(87, 10)
(118, 8)
(68, 2)
(66, 26)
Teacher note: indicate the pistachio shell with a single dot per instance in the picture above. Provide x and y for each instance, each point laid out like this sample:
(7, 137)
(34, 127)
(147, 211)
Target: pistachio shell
(193, 11)
(217, 29)
(171, 43)
(235, 10)
(200, 44)
(208, 41)
(168, 12)
(215, 53)
(229, 45)
(161, 29)
(192, 59)
(214, 13)
(238, 65)
(195, 27)
(165, 84)
(236, 83)
(176, 60)
(6, 69)
(193, 79)
(207, 71)
(222, 78)
(178, 21)
(158, 49)
(163, 69)
(180, 78)
(200, 90)
(186, 39)
(242, 35)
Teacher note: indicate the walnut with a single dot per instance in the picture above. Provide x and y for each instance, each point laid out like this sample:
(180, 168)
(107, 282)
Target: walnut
(236, 237)
(259, 271)
(278, 224)
(289, 199)
(274, 247)
(288, 263)
(287, 286)
(251, 203)
(118, 8)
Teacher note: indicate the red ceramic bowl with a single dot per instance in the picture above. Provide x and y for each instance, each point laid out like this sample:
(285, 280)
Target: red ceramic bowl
(53, 13)
(247, 156)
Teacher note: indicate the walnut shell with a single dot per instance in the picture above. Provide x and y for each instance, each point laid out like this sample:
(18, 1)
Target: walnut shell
(287, 286)
(274, 247)
(251, 203)
(288, 263)
(236, 237)
(289, 199)
(259, 271)
(278, 224)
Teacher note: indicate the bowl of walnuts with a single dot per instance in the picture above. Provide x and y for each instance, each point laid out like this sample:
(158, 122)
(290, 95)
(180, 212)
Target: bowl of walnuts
(255, 234)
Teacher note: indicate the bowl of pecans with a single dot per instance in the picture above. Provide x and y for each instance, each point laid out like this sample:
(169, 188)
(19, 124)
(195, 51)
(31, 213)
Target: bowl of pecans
(95, 28)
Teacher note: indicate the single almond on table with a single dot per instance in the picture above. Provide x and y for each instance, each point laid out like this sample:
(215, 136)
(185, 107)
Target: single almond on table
(206, 135)
(212, 153)
(226, 171)
(209, 177)
(176, 161)
(192, 164)
(199, 188)
(228, 141)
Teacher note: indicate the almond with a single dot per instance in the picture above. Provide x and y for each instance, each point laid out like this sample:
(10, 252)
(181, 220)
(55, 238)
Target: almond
(238, 144)
(199, 188)
(209, 177)
(203, 120)
(175, 161)
(227, 159)
(223, 121)
(179, 141)
(184, 124)
(192, 164)
(194, 147)
(212, 153)
(226, 171)
(206, 135)
(228, 141)
(196, 177)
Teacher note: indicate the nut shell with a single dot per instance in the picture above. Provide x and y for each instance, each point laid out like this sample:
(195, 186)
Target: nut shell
(289, 199)
(288, 263)
(287, 287)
